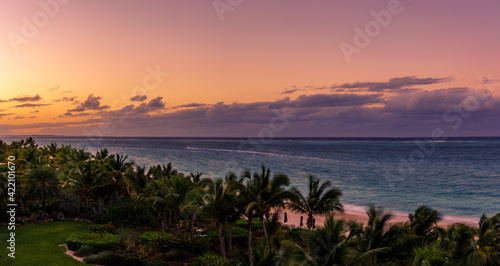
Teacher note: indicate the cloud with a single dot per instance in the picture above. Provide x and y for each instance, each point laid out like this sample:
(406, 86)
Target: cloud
(91, 103)
(53, 89)
(66, 99)
(31, 105)
(393, 85)
(3, 101)
(332, 100)
(26, 98)
(154, 104)
(138, 98)
(190, 105)
(2, 115)
(289, 91)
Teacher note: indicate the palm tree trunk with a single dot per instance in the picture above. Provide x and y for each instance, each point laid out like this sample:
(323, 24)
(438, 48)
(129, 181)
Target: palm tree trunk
(163, 221)
(43, 215)
(192, 223)
(221, 240)
(264, 229)
(178, 217)
(230, 240)
(250, 242)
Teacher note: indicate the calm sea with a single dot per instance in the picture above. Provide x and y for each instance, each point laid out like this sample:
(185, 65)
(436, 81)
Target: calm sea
(458, 177)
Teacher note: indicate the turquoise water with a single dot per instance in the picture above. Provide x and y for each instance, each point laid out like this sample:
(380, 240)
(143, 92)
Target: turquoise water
(458, 177)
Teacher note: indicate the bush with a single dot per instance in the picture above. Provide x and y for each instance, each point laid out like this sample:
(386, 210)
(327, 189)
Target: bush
(98, 241)
(148, 237)
(239, 234)
(84, 251)
(243, 223)
(102, 258)
(209, 260)
(102, 228)
(295, 233)
(131, 214)
(193, 244)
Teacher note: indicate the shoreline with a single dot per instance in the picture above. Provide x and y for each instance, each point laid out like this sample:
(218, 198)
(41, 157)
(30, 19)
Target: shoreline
(358, 214)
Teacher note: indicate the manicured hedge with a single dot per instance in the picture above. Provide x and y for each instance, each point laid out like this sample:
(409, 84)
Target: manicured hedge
(243, 223)
(239, 234)
(193, 244)
(97, 240)
(102, 228)
(209, 260)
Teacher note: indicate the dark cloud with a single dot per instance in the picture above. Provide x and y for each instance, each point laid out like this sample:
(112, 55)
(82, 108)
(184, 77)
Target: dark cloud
(26, 98)
(332, 100)
(190, 105)
(2, 115)
(18, 117)
(3, 101)
(156, 103)
(74, 115)
(139, 98)
(289, 91)
(66, 99)
(152, 105)
(31, 105)
(393, 85)
(91, 103)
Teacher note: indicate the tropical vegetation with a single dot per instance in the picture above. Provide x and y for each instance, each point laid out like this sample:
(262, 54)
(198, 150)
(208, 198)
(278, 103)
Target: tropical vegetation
(138, 215)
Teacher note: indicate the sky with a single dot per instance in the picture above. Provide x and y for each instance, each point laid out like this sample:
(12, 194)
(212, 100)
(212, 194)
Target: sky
(241, 68)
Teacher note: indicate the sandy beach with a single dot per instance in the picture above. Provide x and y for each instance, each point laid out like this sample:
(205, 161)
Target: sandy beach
(358, 214)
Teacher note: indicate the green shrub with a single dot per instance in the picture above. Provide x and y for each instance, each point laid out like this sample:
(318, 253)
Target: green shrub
(131, 214)
(102, 228)
(101, 258)
(295, 233)
(243, 223)
(148, 237)
(239, 235)
(84, 251)
(209, 260)
(193, 244)
(98, 241)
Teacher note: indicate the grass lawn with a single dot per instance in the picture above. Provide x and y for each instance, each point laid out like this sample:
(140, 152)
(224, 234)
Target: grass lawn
(36, 244)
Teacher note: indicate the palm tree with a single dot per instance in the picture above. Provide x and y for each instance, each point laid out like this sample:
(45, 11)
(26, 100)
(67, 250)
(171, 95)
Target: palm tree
(424, 221)
(266, 193)
(158, 198)
(117, 166)
(459, 244)
(42, 184)
(219, 203)
(321, 200)
(138, 179)
(85, 178)
(181, 193)
(375, 240)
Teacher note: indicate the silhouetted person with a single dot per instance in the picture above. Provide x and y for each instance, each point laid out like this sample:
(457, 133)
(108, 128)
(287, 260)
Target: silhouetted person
(301, 221)
(286, 218)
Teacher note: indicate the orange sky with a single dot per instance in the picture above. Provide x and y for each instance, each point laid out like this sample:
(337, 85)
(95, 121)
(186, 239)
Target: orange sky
(257, 51)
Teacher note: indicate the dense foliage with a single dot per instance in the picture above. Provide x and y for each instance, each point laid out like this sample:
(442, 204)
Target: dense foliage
(157, 216)
(96, 240)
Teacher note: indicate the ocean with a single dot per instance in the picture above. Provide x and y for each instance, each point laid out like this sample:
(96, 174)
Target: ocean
(460, 177)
